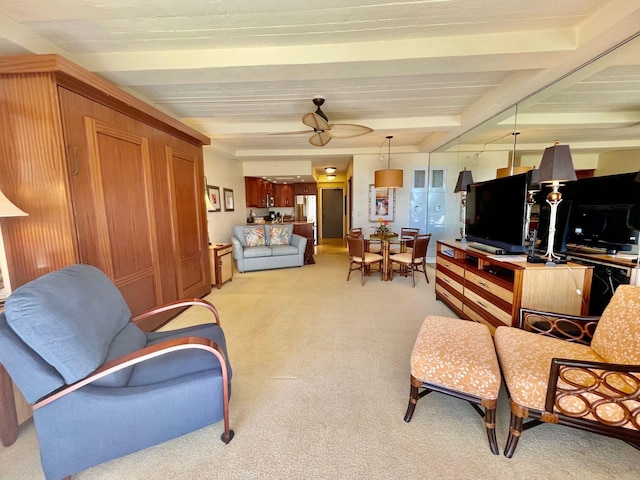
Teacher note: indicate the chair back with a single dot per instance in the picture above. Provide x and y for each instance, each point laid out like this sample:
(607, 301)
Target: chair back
(617, 336)
(357, 231)
(356, 245)
(420, 245)
(409, 232)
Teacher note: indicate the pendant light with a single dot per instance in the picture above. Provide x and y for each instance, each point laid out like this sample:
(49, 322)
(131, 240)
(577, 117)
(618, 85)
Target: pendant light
(388, 178)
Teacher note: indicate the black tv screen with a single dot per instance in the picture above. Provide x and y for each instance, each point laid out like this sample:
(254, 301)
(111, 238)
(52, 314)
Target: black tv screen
(496, 212)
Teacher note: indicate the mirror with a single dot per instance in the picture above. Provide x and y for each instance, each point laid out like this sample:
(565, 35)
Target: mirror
(595, 110)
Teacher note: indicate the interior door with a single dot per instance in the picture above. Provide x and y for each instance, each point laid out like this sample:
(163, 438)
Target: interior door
(332, 213)
(188, 223)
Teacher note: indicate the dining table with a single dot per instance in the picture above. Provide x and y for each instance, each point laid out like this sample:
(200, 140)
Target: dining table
(386, 242)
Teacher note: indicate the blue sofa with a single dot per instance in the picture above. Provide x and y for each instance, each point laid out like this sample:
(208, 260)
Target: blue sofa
(267, 246)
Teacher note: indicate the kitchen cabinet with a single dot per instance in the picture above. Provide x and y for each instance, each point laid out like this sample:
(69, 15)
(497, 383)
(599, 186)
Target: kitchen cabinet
(106, 179)
(490, 290)
(257, 192)
(306, 189)
(283, 195)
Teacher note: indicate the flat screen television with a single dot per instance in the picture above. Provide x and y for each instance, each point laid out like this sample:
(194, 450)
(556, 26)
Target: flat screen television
(496, 212)
(604, 226)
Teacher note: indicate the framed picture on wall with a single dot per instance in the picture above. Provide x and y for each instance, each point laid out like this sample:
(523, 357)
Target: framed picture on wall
(213, 193)
(382, 204)
(228, 199)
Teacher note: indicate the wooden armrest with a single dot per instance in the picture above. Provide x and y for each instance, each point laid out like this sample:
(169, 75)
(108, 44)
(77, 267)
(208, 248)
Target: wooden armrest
(572, 328)
(147, 353)
(600, 386)
(177, 304)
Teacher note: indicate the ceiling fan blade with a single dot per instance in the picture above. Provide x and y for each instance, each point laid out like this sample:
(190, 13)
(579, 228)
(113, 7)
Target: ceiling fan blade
(348, 130)
(320, 139)
(296, 132)
(316, 122)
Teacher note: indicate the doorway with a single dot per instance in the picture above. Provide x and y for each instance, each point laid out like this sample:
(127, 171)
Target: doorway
(332, 216)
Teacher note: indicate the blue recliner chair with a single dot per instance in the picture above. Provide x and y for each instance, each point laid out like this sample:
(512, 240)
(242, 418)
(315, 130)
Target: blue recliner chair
(100, 387)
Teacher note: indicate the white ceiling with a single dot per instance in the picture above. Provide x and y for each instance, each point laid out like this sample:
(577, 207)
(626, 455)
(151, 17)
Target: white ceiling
(424, 71)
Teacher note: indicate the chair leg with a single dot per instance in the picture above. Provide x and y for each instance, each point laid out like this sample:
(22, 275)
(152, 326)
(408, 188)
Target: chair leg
(413, 278)
(424, 269)
(362, 271)
(413, 398)
(350, 269)
(515, 430)
(490, 424)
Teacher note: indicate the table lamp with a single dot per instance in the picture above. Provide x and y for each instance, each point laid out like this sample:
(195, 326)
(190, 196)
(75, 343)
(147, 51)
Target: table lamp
(465, 178)
(556, 167)
(7, 209)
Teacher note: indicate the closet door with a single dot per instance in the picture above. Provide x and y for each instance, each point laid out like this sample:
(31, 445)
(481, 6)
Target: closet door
(188, 223)
(121, 219)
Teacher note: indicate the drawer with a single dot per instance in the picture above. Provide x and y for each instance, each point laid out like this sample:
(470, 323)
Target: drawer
(476, 317)
(449, 265)
(456, 302)
(487, 306)
(489, 286)
(457, 286)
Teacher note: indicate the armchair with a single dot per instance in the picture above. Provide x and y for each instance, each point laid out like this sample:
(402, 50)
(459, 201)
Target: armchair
(99, 386)
(587, 377)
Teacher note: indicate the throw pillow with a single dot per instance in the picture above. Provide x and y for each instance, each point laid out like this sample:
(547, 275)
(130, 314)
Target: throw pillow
(279, 236)
(254, 236)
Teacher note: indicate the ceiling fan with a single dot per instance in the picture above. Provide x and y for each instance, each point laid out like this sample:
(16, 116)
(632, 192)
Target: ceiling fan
(323, 131)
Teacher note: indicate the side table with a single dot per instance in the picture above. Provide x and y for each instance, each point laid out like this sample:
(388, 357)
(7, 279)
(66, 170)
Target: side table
(221, 259)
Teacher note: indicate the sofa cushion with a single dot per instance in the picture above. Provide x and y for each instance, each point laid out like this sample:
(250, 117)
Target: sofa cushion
(257, 252)
(280, 250)
(617, 336)
(254, 236)
(69, 317)
(280, 235)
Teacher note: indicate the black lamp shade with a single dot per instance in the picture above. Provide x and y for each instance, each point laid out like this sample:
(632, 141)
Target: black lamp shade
(533, 183)
(465, 178)
(556, 165)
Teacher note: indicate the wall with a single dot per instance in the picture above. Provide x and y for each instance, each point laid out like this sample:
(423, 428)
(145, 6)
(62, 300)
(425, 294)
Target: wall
(621, 161)
(224, 172)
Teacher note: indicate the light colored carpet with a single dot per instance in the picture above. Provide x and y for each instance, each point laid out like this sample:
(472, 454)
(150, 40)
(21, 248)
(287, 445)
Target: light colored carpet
(320, 388)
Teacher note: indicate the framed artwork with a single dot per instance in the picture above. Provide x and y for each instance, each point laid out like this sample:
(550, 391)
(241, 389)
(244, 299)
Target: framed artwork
(382, 204)
(213, 193)
(228, 199)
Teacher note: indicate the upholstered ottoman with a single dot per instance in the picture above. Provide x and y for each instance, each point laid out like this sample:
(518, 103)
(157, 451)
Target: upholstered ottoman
(456, 357)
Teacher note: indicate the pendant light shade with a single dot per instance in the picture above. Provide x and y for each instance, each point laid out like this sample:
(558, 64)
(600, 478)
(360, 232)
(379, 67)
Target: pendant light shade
(388, 178)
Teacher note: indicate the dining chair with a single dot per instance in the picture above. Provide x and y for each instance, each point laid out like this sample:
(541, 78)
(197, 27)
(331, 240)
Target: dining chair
(359, 258)
(410, 262)
(408, 234)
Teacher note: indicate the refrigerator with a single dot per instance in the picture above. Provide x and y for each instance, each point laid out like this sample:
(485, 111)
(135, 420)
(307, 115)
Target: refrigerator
(306, 208)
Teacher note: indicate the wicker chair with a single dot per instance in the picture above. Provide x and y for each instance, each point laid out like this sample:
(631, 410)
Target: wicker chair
(583, 372)
(410, 262)
(359, 258)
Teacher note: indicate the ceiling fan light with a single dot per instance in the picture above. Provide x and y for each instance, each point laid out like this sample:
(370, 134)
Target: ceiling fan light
(389, 178)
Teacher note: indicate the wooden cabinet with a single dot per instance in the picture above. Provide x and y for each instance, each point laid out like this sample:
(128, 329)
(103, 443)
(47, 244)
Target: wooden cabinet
(106, 180)
(491, 290)
(283, 195)
(221, 263)
(306, 189)
(257, 192)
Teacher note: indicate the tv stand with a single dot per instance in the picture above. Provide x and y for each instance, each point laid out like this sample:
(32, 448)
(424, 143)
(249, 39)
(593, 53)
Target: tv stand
(484, 288)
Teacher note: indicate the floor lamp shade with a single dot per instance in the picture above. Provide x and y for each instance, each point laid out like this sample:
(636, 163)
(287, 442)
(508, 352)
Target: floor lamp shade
(388, 178)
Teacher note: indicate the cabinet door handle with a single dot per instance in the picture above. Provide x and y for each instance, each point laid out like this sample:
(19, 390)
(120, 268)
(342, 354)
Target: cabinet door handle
(72, 152)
